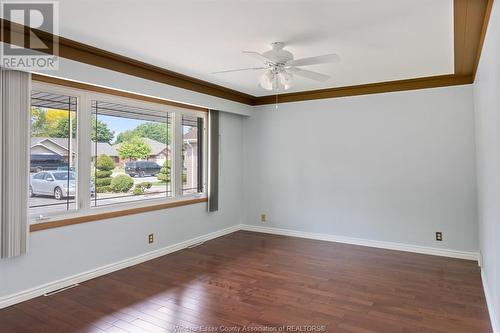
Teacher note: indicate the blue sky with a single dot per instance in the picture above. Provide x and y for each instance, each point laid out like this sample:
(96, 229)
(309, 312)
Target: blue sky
(119, 124)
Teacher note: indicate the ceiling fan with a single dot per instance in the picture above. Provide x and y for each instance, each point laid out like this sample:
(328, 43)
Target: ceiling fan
(280, 67)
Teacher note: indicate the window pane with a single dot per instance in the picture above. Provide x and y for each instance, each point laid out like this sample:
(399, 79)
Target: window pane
(131, 154)
(192, 149)
(53, 157)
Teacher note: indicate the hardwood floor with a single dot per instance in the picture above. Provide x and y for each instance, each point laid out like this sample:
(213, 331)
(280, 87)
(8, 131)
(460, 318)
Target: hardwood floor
(258, 280)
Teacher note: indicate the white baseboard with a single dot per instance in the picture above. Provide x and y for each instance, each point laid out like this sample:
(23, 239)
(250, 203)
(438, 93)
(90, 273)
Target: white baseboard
(490, 304)
(46, 288)
(364, 242)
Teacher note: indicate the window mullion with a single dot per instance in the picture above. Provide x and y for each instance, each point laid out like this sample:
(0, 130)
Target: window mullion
(84, 153)
(177, 155)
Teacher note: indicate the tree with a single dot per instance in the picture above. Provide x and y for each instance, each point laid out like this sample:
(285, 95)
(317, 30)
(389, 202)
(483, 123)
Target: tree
(54, 123)
(164, 175)
(101, 132)
(134, 149)
(126, 136)
(38, 122)
(155, 131)
(51, 122)
(61, 129)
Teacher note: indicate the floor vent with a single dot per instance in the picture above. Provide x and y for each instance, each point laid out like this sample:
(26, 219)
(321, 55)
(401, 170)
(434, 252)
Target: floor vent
(61, 290)
(195, 245)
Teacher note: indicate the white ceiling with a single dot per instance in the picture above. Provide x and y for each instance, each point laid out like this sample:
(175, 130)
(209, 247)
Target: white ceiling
(378, 40)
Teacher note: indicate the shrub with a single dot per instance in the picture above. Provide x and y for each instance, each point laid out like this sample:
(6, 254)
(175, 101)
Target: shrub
(104, 163)
(145, 185)
(99, 182)
(141, 187)
(122, 183)
(138, 191)
(103, 189)
(103, 174)
(164, 174)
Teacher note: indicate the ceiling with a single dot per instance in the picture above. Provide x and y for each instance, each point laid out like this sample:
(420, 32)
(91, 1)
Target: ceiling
(378, 40)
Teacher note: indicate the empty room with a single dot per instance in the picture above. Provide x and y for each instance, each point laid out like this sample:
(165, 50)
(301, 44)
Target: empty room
(250, 166)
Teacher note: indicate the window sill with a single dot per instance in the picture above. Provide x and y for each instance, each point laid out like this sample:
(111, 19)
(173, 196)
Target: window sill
(111, 214)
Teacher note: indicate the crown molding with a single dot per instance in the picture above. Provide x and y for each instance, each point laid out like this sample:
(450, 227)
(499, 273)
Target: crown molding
(471, 19)
(94, 56)
(372, 88)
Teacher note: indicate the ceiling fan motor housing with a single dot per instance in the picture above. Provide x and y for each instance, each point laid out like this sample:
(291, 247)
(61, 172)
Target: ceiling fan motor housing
(277, 54)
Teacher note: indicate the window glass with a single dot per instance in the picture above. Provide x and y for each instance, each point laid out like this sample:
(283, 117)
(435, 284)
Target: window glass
(53, 153)
(192, 149)
(131, 154)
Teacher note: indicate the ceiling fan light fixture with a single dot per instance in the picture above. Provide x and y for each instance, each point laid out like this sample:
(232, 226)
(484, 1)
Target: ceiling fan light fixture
(281, 67)
(286, 80)
(267, 79)
(277, 85)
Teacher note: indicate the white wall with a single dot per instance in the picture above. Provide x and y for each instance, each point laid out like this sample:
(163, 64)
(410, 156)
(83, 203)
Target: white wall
(487, 107)
(62, 252)
(391, 167)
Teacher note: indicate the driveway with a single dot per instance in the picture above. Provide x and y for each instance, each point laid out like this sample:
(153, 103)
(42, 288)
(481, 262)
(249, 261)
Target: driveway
(138, 180)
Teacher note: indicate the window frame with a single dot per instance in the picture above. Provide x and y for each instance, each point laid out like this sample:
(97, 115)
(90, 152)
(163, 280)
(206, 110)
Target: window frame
(39, 218)
(84, 153)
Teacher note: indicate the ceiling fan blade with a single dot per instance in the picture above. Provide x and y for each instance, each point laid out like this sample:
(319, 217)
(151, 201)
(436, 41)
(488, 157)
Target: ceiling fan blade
(258, 56)
(309, 74)
(239, 70)
(322, 59)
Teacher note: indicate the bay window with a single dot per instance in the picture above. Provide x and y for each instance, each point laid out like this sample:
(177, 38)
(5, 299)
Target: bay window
(93, 152)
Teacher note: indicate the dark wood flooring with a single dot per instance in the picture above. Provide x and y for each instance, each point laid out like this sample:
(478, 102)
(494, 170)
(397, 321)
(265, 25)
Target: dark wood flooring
(263, 282)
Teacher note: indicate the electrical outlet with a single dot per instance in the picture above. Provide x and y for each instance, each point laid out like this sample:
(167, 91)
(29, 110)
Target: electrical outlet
(439, 236)
(151, 238)
(263, 218)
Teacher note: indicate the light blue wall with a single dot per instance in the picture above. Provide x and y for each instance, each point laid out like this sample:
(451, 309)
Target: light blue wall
(393, 167)
(487, 108)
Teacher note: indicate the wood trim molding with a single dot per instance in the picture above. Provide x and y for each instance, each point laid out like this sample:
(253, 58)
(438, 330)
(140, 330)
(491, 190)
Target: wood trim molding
(486, 20)
(109, 91)
(109, 215)
(470, 17)
(90, 55)
(470, 24)
(374, 88)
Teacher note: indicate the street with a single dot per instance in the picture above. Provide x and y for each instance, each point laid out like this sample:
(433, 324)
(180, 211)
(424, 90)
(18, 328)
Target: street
(42, 205)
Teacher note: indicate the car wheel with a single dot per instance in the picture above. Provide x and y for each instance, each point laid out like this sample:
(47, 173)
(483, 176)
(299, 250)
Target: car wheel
(141, 174)
(31, 192)
(58, 194)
